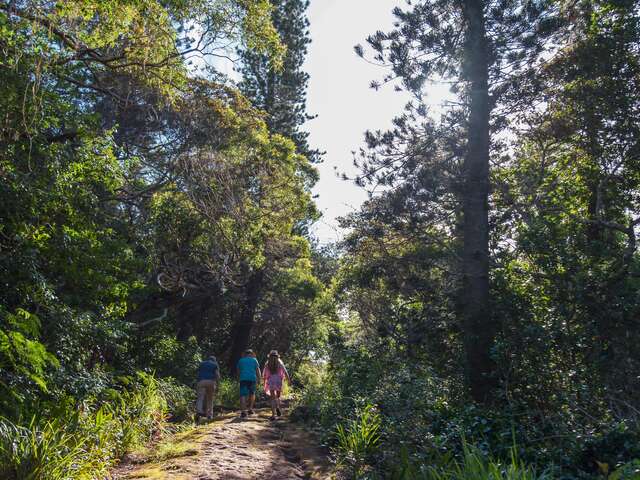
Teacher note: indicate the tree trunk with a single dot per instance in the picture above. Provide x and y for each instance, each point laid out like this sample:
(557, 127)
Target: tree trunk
(479, 328)
(241, 332)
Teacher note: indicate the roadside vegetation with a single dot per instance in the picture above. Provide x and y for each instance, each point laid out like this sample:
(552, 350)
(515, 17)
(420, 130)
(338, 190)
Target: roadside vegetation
(479, 319)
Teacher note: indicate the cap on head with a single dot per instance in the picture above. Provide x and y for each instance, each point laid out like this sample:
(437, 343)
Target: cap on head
(248, 351)
(212, 357)
(274, 353)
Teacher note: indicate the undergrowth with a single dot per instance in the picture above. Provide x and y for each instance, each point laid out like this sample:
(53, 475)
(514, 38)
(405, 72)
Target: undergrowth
(473, 465)
(83, 441)
(228, 393)
(386, 422)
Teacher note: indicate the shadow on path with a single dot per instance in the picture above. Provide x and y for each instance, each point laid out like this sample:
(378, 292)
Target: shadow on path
(231, 448)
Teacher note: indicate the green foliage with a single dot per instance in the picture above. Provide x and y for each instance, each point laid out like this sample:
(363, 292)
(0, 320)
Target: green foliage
(280, 90)
(616, 444)
(261, 35)
(472, 466)
(136, 197)
(83, 442)
(149, 216)
(165, 355)
(42, 452)
(228, 393)
(359, 441)
(564, 221)
(628, 471)
(100, 110)
(423, 421)
(179, 398)
(20, 350)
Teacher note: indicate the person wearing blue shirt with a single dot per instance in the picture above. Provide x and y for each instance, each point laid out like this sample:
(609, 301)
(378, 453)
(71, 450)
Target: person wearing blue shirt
(248, 371)
(208, 376)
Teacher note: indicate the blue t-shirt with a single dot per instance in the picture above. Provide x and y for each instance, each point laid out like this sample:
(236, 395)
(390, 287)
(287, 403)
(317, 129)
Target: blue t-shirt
(207, 370)
(247, 367)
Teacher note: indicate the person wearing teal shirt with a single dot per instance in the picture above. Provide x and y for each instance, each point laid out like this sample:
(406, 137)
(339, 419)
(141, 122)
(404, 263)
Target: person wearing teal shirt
(248, 374)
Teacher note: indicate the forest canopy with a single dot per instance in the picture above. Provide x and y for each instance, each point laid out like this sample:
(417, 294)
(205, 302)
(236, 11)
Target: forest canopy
(143, 199)
(480, 312)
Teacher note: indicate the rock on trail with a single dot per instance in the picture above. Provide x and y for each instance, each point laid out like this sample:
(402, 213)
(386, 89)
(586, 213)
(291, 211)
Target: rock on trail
(231, 448)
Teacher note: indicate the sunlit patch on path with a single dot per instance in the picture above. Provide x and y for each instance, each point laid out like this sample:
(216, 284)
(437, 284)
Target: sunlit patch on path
(235, 449)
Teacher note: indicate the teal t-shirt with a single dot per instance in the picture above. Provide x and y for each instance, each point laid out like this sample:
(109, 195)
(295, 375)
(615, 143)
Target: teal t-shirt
(247, 367)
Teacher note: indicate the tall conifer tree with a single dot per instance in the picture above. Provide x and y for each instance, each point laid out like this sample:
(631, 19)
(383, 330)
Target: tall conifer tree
(485, 49)
(282, 94)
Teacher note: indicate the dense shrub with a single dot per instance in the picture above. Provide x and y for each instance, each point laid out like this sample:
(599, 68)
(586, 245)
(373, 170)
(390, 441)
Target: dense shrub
(83, 443)
(169, 357)
(180, 399)
(228, 394)
(358, 442)
(422, 421)
(473, 465)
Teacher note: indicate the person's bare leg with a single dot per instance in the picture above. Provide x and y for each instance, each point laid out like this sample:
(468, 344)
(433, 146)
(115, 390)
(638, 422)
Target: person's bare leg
(274, 400)
(243, 404)
(252, 400)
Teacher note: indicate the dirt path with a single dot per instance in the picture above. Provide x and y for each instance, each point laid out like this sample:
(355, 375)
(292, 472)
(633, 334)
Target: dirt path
(231, 448)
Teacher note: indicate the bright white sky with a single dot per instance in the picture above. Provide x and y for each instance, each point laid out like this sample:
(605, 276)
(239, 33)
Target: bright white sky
(339, 94)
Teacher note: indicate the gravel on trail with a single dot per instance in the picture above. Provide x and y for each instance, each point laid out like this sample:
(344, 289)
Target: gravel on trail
(231, 448)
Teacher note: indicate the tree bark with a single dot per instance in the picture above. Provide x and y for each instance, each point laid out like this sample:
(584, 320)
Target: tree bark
(241, 332)
(479, 328)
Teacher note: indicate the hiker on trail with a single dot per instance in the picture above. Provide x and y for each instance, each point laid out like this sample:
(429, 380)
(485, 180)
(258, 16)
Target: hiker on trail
(208, 376)
(274, 373)
(248, 374)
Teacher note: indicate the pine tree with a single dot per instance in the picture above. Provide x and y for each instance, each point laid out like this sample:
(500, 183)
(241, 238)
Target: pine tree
(282, 93)
(485, 49)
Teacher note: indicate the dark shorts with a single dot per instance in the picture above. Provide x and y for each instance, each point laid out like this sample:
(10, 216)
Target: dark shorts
(247, 387)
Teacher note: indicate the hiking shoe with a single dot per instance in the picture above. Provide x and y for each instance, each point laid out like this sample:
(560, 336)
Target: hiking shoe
(278, 412)
(272, 418)
(250, 412)
(243, 414)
